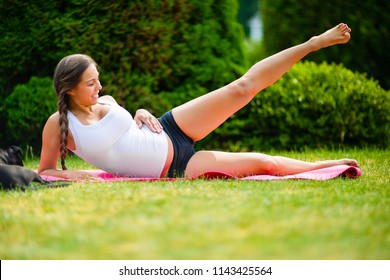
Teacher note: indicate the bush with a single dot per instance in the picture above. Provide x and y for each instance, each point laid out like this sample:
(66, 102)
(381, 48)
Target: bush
(311, 106)
(28, 108)
(288, 23)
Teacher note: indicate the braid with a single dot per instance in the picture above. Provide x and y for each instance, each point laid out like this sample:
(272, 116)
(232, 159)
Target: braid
(63, 110)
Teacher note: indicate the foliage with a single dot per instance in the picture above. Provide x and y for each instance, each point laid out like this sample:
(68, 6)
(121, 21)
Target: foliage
(314, 106)
(288, 22)
(28, 108)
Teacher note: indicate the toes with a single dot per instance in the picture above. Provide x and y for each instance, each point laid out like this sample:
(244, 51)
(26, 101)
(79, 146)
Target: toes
(341, 26)
(354, 163)
(344, 27)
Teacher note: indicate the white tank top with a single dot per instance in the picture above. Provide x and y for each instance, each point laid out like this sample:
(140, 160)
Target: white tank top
(117, 145)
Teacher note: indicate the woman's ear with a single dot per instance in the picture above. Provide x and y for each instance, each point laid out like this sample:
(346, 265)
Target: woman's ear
(70, 92)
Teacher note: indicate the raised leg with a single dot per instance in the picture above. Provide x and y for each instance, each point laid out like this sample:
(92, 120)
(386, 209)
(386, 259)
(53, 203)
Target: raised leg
(246, 164)
(198, 117)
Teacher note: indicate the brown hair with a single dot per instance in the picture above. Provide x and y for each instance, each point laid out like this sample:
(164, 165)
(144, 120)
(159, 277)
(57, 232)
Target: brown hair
(66, 77)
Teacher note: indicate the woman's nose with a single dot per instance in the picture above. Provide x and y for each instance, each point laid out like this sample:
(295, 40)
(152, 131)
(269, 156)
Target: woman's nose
(99, 85)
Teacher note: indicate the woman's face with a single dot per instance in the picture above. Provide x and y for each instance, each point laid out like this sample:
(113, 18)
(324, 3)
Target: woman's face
(87, 90)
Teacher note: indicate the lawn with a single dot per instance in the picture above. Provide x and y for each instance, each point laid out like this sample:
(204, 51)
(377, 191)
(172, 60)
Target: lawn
(200, 219)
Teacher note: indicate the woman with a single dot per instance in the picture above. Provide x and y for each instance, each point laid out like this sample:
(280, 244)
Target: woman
(104, 134)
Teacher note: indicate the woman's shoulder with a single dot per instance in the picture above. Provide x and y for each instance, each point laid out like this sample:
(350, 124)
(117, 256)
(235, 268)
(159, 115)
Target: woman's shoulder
(52, 123)
(54, 117)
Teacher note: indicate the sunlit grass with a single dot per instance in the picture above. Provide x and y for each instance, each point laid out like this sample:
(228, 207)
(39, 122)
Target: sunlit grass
(217, 219)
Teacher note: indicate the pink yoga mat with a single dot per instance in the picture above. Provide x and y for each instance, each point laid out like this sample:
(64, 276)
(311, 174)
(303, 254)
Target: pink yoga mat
(319, 174)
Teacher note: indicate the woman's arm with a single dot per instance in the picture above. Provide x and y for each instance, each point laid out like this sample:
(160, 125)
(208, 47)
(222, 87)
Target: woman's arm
(141, 116)
(50, 146)
(51, 151)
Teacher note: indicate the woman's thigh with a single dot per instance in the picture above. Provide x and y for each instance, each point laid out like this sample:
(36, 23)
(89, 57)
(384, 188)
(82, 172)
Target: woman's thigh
(235, 164)
(200, 116)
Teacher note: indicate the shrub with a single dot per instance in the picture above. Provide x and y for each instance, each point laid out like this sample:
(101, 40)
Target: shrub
(311, 106)
(28, 108)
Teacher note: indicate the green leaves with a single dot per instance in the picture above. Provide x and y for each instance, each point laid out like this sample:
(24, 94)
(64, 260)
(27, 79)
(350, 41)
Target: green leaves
(28, 108)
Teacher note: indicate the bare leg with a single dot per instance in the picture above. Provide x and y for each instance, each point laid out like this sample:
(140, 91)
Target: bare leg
(246, 164)
(199, 117)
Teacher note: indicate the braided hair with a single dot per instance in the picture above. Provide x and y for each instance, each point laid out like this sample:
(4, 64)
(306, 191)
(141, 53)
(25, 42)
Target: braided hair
(66, 77)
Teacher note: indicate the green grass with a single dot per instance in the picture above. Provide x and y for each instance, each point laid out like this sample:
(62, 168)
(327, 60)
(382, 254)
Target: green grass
(335, 219)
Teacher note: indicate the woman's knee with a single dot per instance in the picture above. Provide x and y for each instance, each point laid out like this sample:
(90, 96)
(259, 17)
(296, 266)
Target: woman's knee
(269, 166)
(243, 88)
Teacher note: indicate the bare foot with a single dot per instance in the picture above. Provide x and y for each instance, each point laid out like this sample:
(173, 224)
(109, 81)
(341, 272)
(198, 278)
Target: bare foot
(350, 162)
(339, 34)
(345, 161)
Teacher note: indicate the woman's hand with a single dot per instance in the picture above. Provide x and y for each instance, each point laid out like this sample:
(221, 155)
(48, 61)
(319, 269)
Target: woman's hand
(73, 175)
(144, 117)
(78, 175)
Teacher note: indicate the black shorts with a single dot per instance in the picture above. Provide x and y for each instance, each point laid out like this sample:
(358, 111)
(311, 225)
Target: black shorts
(183, 145)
